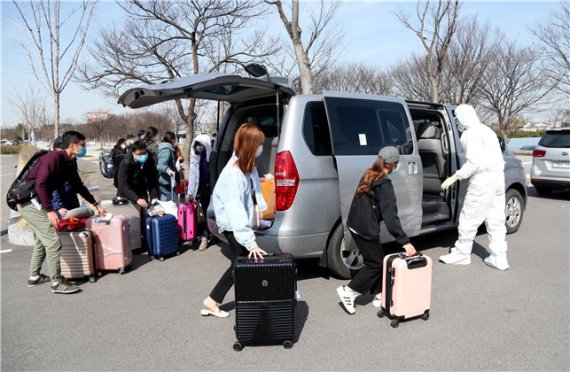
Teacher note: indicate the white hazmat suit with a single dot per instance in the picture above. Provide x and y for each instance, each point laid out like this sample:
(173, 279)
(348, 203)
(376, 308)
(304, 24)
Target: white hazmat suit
(485, 199)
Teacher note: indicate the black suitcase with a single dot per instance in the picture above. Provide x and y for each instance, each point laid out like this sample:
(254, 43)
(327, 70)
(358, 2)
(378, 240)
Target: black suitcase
(265, 301)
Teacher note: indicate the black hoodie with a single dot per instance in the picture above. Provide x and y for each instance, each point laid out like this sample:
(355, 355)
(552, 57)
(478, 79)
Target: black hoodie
(367, 211)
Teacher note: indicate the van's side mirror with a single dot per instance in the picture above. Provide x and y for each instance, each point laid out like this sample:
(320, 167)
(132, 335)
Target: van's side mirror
(502, 143)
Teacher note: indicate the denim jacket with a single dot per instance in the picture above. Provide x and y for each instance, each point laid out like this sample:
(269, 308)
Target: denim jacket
(233, 203)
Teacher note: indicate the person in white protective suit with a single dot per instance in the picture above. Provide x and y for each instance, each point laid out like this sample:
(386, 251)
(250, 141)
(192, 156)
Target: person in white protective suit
(485, 199)
(199, 187)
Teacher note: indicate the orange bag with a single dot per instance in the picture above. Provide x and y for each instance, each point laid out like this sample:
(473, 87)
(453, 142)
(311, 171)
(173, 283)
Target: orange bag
(268, 192)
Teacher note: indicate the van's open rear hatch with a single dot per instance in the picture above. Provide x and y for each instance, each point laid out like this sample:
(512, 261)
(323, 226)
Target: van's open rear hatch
(214, 86)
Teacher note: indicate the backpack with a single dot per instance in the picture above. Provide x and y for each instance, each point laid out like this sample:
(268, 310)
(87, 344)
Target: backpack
(22, 191)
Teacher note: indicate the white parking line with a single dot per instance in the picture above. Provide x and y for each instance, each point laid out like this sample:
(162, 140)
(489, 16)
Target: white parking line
(527, 162)
(5, 251)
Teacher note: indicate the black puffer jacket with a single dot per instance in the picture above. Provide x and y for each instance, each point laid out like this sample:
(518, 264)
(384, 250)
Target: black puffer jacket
(367, 211)
(135, 181)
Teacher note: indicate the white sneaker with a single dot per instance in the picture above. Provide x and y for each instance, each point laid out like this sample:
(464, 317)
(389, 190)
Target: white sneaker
(377, 301)
(347, 298)
(497, 262)
(455, 258)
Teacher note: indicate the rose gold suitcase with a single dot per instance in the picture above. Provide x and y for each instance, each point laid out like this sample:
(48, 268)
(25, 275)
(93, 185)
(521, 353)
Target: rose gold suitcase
(406, 287)
(112, 243)
(76, 257)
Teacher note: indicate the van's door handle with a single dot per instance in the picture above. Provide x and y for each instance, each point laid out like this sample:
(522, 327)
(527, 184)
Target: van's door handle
(412, 167)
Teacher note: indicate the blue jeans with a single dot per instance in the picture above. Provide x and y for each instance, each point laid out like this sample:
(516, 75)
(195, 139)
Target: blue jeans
(165, 193)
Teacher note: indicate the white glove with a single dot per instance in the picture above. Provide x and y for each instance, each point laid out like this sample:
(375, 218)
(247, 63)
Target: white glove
(448, 182)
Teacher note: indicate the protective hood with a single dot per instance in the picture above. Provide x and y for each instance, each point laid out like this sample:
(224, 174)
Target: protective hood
(467, 116)
(205, 140)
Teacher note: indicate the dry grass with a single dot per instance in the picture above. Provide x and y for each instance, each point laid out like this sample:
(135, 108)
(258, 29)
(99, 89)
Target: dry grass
(9, 150)
(26, 153)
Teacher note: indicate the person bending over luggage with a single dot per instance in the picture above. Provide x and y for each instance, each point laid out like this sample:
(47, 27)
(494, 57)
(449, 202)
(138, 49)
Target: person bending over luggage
(166, 166)
(49, 173)
(236, 198)
(199, 181)
(137, 176)
(64, 197)
(373, 203)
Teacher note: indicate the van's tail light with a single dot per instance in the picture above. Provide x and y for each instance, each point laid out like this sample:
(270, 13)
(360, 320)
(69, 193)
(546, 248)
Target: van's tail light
(286, 180)
(538, 153)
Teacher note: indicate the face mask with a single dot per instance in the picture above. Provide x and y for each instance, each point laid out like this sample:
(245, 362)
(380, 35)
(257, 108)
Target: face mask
(200, 149)
(259, 151)
(142, 158)
(123, 146)
(460, 127)
(82, 152)
(395, 170)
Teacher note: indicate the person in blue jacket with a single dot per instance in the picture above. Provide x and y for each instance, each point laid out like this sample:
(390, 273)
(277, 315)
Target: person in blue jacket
(166, 166)
(64, 198)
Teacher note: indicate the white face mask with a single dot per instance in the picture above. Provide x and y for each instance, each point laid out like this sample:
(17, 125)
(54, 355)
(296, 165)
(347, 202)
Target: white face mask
(259, 151)
(123, 146)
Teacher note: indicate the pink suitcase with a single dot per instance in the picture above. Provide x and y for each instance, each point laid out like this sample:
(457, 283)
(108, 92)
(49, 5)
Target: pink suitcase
(406, 287)
(112, 243)
(186, 221)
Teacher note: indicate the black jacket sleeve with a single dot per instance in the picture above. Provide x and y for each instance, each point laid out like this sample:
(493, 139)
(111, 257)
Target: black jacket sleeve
(78, 185)
(123, 186)
(389, 210)
(151, 175)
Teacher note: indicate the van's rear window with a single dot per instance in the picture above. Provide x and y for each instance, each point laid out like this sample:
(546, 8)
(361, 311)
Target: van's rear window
(558, 139)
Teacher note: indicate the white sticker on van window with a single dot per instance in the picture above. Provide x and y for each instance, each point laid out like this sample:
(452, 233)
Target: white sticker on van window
(362, 138)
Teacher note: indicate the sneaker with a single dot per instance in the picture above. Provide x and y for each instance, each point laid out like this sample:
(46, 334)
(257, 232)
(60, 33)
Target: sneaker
(64, 287)
(455, 258)
(377, 301)
(497, 262)
(347, 298)
(34, 281)
(203, 244)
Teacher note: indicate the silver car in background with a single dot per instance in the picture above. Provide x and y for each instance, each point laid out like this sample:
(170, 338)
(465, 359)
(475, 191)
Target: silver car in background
(551, 162)
(318, 146)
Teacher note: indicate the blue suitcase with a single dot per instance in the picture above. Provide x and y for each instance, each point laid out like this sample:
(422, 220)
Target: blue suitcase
(161, 236)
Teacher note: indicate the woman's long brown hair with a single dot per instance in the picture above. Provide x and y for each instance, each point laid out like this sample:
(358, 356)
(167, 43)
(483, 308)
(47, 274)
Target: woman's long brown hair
(246, 141)
(374, 173)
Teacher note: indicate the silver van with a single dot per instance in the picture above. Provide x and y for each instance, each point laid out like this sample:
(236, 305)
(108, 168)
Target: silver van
(318, 147)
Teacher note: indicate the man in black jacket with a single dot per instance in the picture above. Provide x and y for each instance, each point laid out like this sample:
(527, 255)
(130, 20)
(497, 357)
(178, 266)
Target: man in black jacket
(136, 176)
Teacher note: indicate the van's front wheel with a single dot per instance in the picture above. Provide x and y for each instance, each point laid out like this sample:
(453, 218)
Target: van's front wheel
(342, 262)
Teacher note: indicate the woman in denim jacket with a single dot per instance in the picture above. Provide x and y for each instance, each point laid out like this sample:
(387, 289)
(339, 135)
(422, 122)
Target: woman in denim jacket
(237, 200)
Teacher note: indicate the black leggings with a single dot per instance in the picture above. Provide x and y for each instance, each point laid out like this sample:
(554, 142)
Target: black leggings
(227, 280)
(369, 278)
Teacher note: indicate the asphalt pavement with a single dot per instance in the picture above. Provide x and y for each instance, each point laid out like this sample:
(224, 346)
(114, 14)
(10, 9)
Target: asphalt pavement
(148, 319)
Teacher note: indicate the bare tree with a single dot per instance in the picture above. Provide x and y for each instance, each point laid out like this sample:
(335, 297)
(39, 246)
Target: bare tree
(54, 60)
(436, 26)
(411, 79)
(513, 83)
(554, 36)
(31, 109)
(163, 40)
(354, 77)
(470, 54)
(314, 54)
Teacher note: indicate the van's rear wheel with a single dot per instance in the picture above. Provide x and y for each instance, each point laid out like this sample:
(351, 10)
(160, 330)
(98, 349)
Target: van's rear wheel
(342, 262)
(514, 209)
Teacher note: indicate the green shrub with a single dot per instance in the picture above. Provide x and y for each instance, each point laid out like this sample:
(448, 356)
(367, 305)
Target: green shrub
(524, 134)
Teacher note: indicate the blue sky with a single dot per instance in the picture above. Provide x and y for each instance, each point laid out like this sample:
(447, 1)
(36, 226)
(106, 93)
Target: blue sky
(372, 35)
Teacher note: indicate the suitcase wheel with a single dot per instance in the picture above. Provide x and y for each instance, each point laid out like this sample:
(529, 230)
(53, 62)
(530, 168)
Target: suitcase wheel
(99, 274)
(395, 323)
(122, 271)
(92, 279)
(288, 344)
(238, 346)
(151, 257)
(425, 316)
(178, 253)
(381, 314)
(161, 259)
